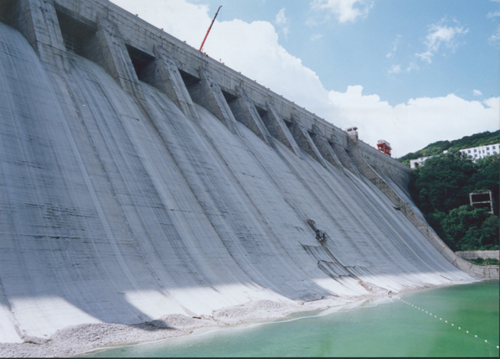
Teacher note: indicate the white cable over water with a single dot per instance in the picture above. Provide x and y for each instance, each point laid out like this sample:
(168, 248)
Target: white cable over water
(435, 316)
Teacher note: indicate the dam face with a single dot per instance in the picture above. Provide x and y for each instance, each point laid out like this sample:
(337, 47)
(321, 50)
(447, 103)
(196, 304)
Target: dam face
(139, 178)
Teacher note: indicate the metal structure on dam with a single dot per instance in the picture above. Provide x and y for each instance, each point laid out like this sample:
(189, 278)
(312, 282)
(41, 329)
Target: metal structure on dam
(140, 178)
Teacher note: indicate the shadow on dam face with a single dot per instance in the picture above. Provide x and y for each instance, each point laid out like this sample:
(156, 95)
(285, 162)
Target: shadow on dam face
(122, 210)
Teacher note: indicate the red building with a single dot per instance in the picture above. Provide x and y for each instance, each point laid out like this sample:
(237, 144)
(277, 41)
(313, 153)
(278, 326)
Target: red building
(384, 146)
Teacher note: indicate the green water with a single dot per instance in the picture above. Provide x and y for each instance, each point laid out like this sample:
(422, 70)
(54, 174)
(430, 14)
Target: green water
(388, 328)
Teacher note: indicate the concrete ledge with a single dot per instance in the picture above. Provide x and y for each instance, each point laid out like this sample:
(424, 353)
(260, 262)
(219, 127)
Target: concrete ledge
(278, 129)
(478, 254)
(304, 140)
(245, 112)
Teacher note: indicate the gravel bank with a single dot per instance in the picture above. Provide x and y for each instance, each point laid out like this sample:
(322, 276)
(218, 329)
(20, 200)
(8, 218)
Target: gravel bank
(84, 338)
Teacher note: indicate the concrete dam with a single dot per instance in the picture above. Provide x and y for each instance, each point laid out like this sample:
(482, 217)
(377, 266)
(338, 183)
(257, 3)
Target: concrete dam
(140, 178)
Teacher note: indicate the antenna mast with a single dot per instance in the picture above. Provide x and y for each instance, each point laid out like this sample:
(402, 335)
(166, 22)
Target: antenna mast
(208, 31)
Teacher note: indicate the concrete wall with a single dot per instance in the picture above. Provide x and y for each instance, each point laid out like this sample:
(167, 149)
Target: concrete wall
(140, 178)
(478, 254)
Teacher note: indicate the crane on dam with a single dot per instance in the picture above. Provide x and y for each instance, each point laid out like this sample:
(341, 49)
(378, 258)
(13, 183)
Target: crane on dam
(210, 28)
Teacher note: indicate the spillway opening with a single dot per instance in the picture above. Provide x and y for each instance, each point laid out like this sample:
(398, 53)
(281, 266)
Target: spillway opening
(144, 64)
(79, 35)
(262, 113)
(233, 104)
(192, 84)
(189, 80)
(268, 122)
(9, 12)
(229, 97)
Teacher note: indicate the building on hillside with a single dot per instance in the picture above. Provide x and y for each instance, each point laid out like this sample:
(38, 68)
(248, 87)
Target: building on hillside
(474, 152)
(482, 151)
(418, 162)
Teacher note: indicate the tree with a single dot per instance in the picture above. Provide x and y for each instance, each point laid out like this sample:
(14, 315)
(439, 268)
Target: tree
(487, 177)
(443, 183)
(441, 190)
(468, 228)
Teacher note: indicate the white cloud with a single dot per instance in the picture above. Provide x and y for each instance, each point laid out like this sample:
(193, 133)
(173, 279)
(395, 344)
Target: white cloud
(441, 34)
(492, 14)
(316, 37)
(171, 15)
(494, 39)
(282, 22)
(477, 93)
(395, 45)
(254, 50)
(281, 17)
(411, 126)
(345, 10)
(311, 22)
(395, 69)
(412, 66)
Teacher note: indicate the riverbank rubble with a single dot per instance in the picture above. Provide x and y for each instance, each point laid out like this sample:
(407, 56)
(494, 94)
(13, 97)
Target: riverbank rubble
(84, 338)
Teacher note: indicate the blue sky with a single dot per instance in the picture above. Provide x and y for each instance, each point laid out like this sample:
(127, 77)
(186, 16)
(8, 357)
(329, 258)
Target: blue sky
(408, 71)
(355, 52)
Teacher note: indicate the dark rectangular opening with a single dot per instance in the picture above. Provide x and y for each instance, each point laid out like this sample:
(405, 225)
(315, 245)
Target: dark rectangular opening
(228, 96)
(193, 85)
(261, 111)
(9, 11)
(143, 64)
(189, 80)
(78, 36)
(288, 124)
(480, 197)
(311, 134)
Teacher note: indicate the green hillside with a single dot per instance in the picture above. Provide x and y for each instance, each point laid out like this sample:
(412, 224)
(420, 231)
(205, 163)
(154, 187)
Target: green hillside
(441, 190)
(437, 148)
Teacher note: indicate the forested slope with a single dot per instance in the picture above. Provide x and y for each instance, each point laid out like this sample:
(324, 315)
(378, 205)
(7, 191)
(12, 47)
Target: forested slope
(441, 190)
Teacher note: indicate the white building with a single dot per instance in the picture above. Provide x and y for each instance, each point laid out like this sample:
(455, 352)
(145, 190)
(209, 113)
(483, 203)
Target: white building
(482, 151)
(418, 162)
(474, 152)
